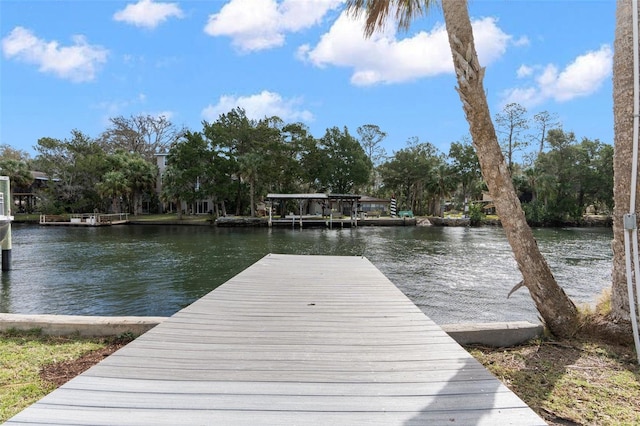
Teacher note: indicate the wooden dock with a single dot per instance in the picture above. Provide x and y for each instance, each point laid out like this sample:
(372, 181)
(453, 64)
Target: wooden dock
(315, 340)
(84, 219)
(314, 222)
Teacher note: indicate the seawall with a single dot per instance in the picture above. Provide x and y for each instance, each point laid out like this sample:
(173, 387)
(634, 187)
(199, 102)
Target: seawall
(498, 334)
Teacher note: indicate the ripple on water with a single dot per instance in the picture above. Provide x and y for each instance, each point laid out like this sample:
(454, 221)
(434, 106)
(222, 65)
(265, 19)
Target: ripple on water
(452, 274)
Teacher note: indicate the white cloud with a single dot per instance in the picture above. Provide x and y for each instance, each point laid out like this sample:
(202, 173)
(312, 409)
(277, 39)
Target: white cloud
(580, 78)
(259, 106)
(262, 24)
(114, 108)
(78, 62)
(491, 42)
(524, 71)
(384, 58)
(522, 41)
(148, 14)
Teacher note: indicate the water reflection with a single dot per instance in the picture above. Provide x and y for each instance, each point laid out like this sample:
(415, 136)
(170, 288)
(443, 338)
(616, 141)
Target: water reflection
(453, 274)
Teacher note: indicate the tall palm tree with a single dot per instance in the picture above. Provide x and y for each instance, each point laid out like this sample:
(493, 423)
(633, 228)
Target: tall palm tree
(623, 77)
(113, 185)
(557, 310)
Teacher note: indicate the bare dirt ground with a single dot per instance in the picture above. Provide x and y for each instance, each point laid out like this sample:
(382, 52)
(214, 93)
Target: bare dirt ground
(61, 372)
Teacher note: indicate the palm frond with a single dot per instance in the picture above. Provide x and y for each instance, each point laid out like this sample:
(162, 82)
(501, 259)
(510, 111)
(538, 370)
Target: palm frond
(377, 12)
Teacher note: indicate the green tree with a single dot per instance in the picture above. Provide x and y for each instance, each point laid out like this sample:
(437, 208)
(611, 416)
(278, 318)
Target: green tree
(231, 132)
(290, 175)
(603, 179)
(129, 178)
(559, 183)
(415, 175)
(557, 310)
(466, 169)
(371, 137)
(216, 181)
(75, 166)
(595, 172)
(18, 171)
(113, 186)
(443, 186)
(266, 162)
(568, 178)
(141, 175)
(186, 164)
(247, 144)
(315, 172)
(20, 176)
(345, 165)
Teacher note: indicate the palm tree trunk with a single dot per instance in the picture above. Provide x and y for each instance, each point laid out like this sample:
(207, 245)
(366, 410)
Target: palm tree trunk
(557, 310)
(252, 196)
(622, 159)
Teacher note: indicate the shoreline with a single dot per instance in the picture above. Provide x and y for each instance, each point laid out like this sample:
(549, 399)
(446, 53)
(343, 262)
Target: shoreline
(589, 221)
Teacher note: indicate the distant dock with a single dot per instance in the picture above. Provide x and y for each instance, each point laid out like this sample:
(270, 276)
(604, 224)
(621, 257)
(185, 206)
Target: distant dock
(85, 219)
(330, 222)
(319, 340)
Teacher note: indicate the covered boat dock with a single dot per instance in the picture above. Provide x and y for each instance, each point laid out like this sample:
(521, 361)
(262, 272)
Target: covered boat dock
(314, 209)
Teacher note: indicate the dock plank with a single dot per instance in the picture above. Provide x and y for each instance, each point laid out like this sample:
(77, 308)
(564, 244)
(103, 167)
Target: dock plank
(290, 340)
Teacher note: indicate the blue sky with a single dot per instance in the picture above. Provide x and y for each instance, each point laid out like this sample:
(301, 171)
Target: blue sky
(74, 64)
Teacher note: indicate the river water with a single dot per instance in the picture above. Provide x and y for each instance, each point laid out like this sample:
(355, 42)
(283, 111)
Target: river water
(452, 274)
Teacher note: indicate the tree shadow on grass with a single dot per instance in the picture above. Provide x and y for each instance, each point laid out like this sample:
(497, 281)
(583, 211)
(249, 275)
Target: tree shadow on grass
(558, 378)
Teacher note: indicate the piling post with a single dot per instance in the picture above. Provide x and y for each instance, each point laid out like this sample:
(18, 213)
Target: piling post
(5, 222)
(6, 250)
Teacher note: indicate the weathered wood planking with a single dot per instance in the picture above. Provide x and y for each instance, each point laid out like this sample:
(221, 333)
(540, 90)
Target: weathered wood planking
(290, 340)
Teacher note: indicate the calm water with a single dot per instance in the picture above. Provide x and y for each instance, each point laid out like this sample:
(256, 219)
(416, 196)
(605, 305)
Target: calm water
(452, 274)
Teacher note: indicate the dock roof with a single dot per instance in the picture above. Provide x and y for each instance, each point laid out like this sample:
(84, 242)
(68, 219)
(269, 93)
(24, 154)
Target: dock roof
(313, 196)
(317, 196)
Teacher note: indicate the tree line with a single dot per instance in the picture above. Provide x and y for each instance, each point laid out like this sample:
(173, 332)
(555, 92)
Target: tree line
(235, 161)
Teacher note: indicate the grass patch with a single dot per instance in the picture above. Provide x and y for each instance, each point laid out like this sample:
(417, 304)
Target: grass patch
(584, 382)
(27, 217)
(169, 218)
(453, 215)
(23, 355)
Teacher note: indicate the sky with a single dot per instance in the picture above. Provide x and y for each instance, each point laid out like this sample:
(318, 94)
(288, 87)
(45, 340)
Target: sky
(68, 65)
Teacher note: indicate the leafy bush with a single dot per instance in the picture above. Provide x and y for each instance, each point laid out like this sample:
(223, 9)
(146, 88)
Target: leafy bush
(476, 215)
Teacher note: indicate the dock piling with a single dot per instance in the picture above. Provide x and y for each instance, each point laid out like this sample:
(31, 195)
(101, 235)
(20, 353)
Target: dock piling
(6, 251)
(5, 222)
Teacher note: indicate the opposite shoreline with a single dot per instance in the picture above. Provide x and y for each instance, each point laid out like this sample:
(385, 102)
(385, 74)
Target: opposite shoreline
(588, 221)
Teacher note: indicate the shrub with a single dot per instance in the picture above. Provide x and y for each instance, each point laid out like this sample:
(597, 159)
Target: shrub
(476, 215)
